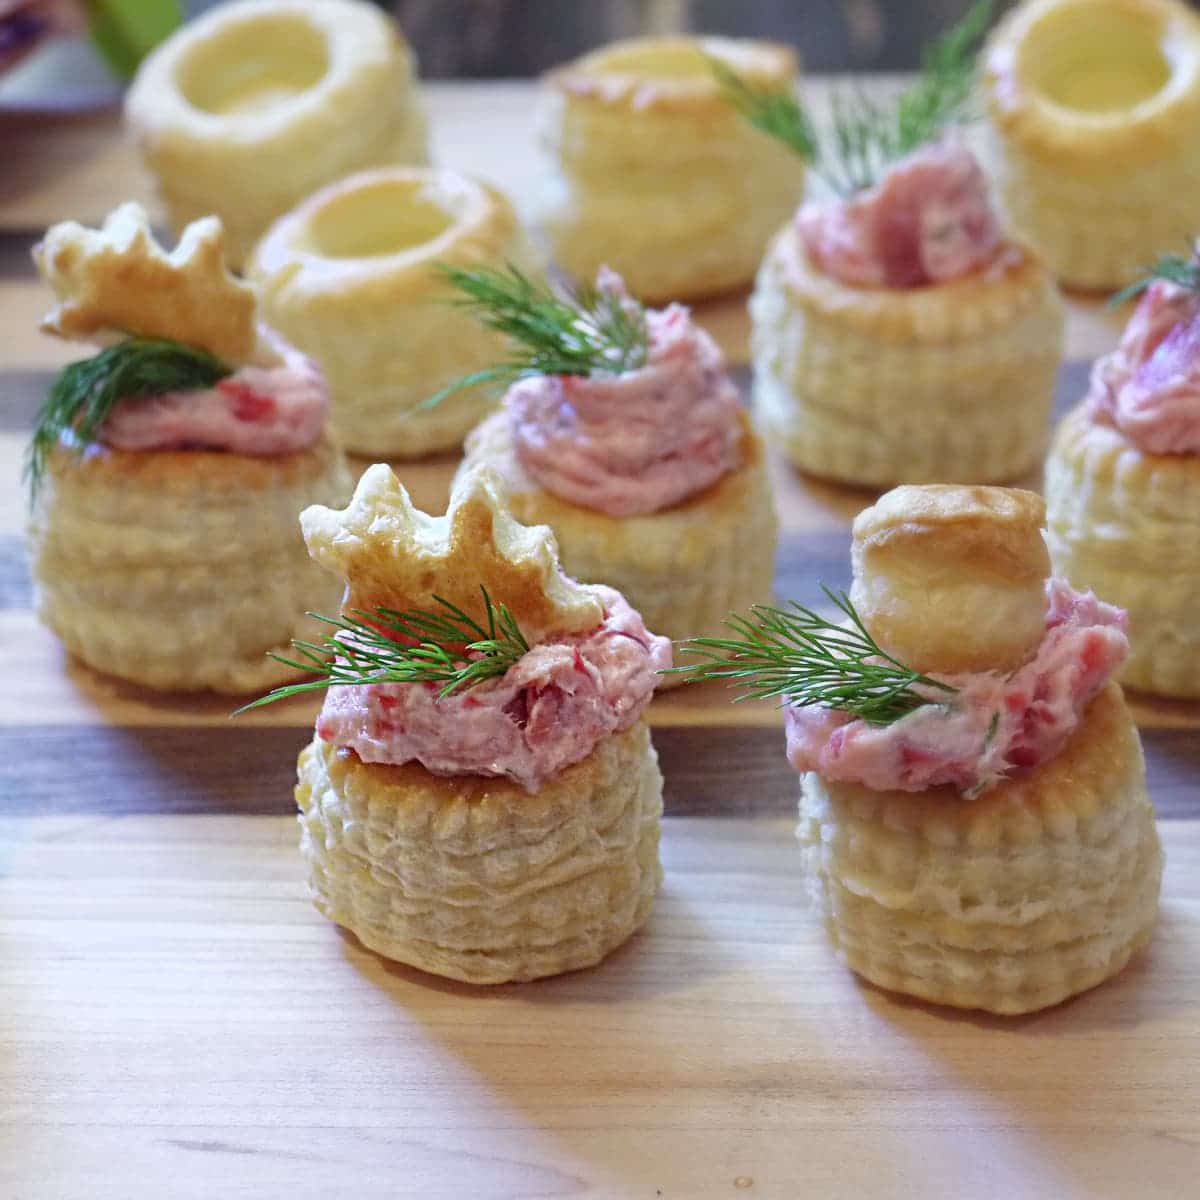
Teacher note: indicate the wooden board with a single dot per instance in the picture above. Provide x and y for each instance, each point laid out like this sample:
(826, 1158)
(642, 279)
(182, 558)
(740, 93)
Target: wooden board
(177, 1022)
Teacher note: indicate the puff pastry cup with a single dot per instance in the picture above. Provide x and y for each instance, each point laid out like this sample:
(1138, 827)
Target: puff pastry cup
(174, 569)
(181, 570)
(1037, 882)
(1126, 524)
(650, 170)
(876, 386)
(247, 109)
(475, 879)
(349, 276)
(1094, 118)
(684, 568)
(469, 877)
(1041, 888)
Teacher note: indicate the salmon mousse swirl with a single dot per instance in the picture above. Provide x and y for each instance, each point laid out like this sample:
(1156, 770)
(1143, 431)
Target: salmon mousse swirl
(929, 220)
(994, 725)
(637, 441)
(1149, 387)
(549, 710)
(257, 410)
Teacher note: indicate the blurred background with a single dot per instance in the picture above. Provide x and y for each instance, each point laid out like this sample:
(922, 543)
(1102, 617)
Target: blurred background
(510, 38)
(523, 37)
(507, 38)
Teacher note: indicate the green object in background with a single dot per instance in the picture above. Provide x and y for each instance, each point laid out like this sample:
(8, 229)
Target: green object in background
(125, 31)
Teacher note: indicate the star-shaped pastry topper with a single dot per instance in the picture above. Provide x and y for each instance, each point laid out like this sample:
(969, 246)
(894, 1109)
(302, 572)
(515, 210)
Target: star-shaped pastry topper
(395, 556)
(118, 280)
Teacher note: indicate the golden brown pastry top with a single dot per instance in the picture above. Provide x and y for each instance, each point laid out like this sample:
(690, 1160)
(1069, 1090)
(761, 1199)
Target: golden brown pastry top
(395, 556)
(190, 471)
(1014, 284)
(668, 74)
(118, 280)
(973, 528)
(951, 578)
(1099, 769)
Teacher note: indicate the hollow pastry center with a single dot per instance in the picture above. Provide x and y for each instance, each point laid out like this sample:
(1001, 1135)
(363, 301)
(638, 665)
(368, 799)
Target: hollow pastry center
(253, 66)
(377, 219)
(653, 62)
(1093, 59)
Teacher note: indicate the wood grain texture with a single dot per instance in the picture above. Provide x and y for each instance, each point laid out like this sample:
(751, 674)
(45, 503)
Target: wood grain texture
(178, 1023)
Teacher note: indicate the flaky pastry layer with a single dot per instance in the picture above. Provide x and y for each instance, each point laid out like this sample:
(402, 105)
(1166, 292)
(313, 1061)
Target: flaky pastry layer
(1127, 525)
(380, 322)
(951, 383)
(651, 171)
(476, 879)
(393, 555)
(1039, 889)
(253, 105)
(181, 570)
(118, 280)
(684, 569)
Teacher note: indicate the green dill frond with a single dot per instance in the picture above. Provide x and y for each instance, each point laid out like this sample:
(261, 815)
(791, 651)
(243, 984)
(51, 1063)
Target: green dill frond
(865, 136)
(552, 332)
(85, 393)
(442, 645)
(1172, 268)
(777, 113)
(940, 94)
(804, 659)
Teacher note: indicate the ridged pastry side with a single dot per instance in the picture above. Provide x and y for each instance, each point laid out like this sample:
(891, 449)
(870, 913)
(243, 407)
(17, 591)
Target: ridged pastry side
(1098, 235)
(684, 569)
(346, 98)
(1127, 525)
(181, 570)
(949, 384)
(1038, 890)
(657, 176)
(476, 879)
(1100, 185)
(379, 321)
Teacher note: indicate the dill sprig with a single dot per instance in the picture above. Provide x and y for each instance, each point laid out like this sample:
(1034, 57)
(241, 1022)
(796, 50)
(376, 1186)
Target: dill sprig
(553, 332)
(778, 114)
(1173, 268)
(85, 393)
(804, 659)
(866, 136)
(440, 645)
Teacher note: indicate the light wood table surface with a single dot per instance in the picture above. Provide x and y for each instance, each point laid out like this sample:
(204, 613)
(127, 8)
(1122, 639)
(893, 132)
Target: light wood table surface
(176, 1021)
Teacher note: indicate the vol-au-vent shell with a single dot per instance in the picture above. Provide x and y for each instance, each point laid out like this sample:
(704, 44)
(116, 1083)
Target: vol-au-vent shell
(352, 275)
(1094, 122)
(951, 383)
(254, 104)
(182, 569)
(1127, 525)
(393, 555)
(651, 171)
(1015, 900)
(477, 879)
